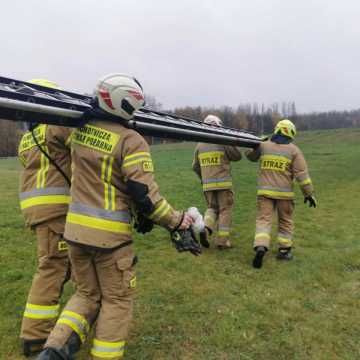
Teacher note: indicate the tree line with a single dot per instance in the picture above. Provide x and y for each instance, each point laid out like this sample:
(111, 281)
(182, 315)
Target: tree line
(261, 120)
(10, 133)
(250, 116)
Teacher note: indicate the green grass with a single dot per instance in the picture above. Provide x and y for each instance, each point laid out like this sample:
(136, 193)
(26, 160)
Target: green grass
(217, 307)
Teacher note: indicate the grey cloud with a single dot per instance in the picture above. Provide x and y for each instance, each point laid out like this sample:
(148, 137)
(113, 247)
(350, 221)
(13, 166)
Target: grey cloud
(192, 52)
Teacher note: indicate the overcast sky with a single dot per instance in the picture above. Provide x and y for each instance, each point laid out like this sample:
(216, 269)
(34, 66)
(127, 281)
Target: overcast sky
(192, 52)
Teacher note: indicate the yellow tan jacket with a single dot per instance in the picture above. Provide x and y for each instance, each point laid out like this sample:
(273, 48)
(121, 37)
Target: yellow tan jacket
(280, 164)
(212, 164)
(105, 155)
(44, 193)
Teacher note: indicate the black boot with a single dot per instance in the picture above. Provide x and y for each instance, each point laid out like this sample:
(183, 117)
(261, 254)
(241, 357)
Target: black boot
(72, 345)
(32, 347)
(258, 259)
(204, 237)
(67, 352)
(285, 254)
(53, 354)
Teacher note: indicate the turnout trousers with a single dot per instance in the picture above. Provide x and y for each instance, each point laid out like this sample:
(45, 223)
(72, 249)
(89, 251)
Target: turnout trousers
(266, 208)
(105, 290)
(53, 270)
(218, 215)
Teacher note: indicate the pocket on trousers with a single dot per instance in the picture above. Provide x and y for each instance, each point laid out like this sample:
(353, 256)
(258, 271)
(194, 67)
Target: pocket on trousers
(126, 266)
(58, 247)
(42, 239)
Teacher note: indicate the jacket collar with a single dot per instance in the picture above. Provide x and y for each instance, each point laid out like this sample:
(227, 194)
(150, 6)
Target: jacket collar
(280, 139)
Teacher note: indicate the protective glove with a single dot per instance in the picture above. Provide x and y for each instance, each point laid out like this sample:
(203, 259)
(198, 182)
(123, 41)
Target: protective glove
(185, 240)
(312, 201)
(142, 224)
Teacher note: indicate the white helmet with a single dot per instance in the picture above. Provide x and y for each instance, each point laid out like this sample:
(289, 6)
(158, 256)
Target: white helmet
(120, 95)
(213, 120)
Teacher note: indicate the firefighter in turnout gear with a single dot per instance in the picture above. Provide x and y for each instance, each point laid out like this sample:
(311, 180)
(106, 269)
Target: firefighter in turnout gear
(113, 173)
(212, 164)
(281, 162)
(44, 199)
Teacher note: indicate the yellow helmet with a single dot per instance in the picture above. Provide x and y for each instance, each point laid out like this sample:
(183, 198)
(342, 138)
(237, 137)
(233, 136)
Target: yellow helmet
(285, 127)
(47, 83)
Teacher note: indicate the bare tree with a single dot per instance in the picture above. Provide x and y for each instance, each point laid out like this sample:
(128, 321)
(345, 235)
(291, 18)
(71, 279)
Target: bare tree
(9, 134)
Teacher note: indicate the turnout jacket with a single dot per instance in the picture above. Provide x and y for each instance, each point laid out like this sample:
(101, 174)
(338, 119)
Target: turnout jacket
(280, 164)
(44, 193)
(212, 164)
(105, 156)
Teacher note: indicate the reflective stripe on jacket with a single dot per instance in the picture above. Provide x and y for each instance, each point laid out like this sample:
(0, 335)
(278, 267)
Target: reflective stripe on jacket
(280, 165)
(44, 193)
(101, 219)
(212, 164)
(105, 156)
(44, 196)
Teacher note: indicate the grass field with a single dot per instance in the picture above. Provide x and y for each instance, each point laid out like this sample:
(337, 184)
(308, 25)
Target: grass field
(217, 307)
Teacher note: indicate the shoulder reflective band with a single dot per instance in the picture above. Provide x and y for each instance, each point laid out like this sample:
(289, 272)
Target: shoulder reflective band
(211, 158)
(27, 141)
(76, 322)
(305, 182)
(96, 138)
(136, 158)
(108, 350)
(41, 312)
(274, 162)
(160, 211)
(109, 189)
